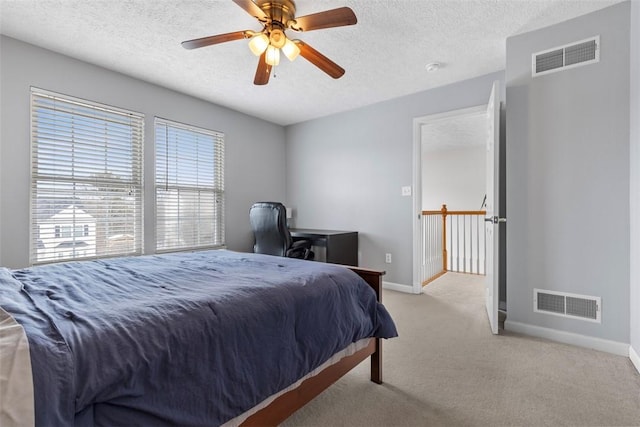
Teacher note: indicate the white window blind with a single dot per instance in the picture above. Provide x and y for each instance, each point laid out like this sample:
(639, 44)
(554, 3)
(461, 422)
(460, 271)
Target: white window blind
(86, 179)
(189, 187)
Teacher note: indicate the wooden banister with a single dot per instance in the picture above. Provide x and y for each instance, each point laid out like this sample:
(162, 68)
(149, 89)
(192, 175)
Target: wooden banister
(444, 213)
(448, 212)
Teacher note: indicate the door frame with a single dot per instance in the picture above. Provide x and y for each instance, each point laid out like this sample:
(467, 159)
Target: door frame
(416, 212)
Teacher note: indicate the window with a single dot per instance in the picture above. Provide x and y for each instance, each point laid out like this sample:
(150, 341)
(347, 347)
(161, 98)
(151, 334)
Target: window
(86, 179)
(189, 187)
(73, 231)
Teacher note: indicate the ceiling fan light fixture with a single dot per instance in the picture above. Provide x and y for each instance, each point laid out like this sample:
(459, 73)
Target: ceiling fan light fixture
(273, 56)
(277, 38)
(290, 50)
(258, 44)
(276, 17)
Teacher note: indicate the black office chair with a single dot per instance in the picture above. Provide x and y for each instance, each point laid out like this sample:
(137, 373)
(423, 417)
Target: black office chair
(272, 236)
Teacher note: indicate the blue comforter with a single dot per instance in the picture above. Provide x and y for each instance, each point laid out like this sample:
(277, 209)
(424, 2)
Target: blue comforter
(181, 339)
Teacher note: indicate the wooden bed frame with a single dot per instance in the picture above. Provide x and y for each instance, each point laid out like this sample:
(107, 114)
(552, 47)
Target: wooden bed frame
(286, 404)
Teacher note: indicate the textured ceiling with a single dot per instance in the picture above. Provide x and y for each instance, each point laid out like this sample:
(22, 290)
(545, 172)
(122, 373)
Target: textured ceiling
(384, 54)
(454, 133)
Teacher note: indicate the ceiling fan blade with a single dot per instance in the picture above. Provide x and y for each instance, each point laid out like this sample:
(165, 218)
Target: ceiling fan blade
(319, 60)
(252, 9)
(263, 71)
(220, 38)
(329, 18)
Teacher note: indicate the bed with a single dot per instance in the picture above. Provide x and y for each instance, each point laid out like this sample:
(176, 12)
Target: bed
(203, 338)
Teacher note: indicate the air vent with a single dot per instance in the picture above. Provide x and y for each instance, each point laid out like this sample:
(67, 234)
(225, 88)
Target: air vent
(567, 305)
(564, 57)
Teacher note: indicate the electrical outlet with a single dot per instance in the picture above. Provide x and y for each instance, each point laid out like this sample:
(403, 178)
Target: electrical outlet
(387, 258)
(406, 191)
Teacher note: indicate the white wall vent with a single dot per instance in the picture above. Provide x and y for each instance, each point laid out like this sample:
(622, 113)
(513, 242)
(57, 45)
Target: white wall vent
(567, 305)
(564, 57)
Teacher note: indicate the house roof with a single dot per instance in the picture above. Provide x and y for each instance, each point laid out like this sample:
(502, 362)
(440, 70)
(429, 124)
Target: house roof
(46, 208)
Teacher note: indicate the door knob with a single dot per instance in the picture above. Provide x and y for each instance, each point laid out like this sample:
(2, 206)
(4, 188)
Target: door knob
(495, 219)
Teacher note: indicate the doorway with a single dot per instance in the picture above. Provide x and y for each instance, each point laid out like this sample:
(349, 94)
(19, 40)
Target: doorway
(449, 168)
(493, 135)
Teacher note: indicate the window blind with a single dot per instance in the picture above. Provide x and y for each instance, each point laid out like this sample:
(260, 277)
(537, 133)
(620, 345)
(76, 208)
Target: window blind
(189, 187)
(86, 179)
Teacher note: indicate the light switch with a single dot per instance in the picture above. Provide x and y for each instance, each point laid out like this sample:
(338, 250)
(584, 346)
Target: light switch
(406, 191)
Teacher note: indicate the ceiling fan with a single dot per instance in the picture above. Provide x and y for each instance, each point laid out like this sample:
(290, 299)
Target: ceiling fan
(277, 16)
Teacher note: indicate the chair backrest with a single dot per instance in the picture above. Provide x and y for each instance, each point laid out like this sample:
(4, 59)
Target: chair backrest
(269, 225)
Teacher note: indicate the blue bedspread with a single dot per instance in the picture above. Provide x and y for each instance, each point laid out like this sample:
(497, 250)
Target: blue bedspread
(183, 339)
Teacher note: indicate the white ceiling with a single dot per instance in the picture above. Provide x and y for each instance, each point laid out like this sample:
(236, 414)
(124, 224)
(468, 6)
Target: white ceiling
(454, 133)
(384, 54)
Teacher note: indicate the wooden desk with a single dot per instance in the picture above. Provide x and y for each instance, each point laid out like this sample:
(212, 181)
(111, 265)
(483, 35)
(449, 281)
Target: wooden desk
(337, 247)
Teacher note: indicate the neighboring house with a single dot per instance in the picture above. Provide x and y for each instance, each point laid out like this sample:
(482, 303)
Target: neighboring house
(65, 231)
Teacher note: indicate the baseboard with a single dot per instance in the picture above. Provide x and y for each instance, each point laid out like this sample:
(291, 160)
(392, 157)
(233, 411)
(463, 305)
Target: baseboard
(614, 347)
(397, 287)
(635, 359)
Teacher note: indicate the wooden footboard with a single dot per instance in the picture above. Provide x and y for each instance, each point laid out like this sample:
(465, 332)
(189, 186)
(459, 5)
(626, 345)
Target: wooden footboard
(286, 404)
(374, 279)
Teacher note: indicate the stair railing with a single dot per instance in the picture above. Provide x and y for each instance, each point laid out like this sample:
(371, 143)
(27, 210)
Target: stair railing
(452, 241)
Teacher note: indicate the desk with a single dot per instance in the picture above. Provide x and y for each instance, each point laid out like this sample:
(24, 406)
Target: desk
(337, 247)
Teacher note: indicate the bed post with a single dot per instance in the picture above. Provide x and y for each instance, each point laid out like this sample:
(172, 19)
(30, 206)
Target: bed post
(374, 279)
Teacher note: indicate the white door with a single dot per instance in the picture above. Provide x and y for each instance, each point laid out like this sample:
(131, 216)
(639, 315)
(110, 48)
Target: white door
(493, 194)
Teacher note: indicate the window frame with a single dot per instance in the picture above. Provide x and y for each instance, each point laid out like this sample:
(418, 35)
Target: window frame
(57, 108)
(216, 189)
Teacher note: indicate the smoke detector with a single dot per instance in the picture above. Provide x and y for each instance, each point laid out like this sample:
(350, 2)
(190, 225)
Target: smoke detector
(432, 67)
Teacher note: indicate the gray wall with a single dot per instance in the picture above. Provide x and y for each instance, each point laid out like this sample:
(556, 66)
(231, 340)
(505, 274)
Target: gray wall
(455, 177)
(346, 171)
(635, 179)
(568, 175)
(254, 149)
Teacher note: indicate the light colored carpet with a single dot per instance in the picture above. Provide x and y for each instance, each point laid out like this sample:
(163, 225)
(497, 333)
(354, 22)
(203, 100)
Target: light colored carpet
(446, 369)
